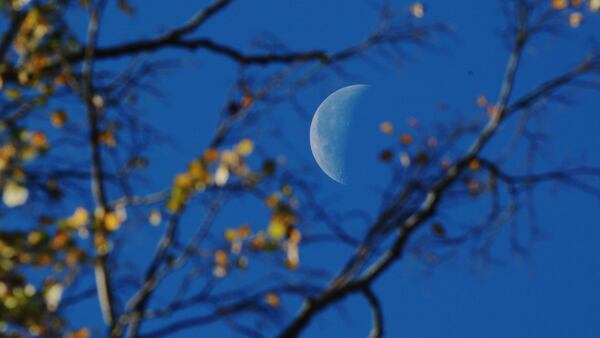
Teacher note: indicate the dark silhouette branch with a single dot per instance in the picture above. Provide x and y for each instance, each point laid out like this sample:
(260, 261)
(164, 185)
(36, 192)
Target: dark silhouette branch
(344, 284)
(16, 19)
(377, 330)
(383, 37)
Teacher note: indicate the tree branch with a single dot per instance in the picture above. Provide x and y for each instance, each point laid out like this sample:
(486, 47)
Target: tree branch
(17, 18)
(97, 174)
(342, 285)
(377, 329)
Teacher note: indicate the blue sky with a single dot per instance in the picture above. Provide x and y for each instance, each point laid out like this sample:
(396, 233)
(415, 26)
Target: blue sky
(551, 292)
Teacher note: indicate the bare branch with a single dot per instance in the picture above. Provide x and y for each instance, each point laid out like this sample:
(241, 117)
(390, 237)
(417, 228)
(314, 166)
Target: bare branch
(17, 18)
(97, 174)
(377, 329)
(342, 284)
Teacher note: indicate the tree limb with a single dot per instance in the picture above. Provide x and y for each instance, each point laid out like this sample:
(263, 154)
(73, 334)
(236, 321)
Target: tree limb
(377, 329)
(97, 174)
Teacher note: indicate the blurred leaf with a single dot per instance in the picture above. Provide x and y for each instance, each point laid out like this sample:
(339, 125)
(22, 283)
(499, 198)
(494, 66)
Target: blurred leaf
(269, 167)
(53, 295)
(438, 229)
(474, 165)
(386, 128)
(405, 159)
(246, 101)
(79, 218)
(277, 229)
(111, 221)
(575, 19)
(417, 10)
(245, 147)
(222, 175)
(14, 194)
(560, 4)
(58, 118)
(406, 139)
(211, 155)
(482, 101)
(386, 155)
(272, 299)
(125, 7)
(155, 217)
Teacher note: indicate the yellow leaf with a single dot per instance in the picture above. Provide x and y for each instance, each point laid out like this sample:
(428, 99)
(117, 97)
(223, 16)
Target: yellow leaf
(386, 128)
(594, 5)
(221, 258)
(111, 221)
(79, 218)
(245, 147)
(230, 158)
(35, 237)
(197, 172)
(231, 234)
(575, 19)
(277, 229)
(103, 245)
(183, 181)
(12, 93)
(417, 10)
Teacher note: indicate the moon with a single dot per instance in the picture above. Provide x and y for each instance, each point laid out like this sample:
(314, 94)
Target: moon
(331, 131)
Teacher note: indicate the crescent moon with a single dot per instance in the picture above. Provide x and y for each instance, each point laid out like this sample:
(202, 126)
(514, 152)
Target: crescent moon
(330, 131)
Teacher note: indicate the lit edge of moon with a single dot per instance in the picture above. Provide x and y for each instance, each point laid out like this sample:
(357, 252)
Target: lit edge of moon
(329, 130)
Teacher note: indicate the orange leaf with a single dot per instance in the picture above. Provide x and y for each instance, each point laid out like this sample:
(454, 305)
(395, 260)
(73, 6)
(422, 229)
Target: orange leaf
(272, 299)
(560, 4)
(406, 139)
